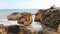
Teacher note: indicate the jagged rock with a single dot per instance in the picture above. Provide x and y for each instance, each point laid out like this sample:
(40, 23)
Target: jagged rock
(14, 16)
(15, 29)
(26, 19)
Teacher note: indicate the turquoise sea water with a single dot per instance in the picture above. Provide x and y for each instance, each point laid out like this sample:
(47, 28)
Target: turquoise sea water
(5, 12)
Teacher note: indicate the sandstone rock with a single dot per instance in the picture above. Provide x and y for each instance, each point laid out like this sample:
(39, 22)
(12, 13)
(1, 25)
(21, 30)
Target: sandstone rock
(14, 16)
(26, 19)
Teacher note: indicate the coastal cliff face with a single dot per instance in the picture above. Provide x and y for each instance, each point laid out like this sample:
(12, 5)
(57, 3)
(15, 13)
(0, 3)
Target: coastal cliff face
(25, 19)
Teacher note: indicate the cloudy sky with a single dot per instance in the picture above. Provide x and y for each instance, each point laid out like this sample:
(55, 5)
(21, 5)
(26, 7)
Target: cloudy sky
(27, 4)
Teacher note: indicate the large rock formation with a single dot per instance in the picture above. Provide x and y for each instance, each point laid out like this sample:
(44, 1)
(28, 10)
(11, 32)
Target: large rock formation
(14, 16)
(49, 17)
(25, 19)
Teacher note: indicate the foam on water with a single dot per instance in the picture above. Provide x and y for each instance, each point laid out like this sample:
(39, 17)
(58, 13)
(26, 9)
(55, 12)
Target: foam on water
(36, 25)
(5, 22)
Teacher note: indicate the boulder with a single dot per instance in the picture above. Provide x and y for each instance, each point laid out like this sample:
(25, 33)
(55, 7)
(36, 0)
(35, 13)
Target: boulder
(16, 29)
(25, 19)
(14, 16)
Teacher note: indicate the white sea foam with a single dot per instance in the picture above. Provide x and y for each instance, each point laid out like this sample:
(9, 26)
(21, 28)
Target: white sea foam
(5, 22)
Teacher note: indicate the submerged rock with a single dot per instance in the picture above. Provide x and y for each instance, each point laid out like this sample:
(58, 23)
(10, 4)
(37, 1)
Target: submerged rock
(25, 19)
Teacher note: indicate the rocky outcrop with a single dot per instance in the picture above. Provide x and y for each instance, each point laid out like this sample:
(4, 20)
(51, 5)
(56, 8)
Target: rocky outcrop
(25, 19)
(14, 16)
(49, 17)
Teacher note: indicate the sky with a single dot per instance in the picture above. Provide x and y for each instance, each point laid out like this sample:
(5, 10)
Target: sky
(27, 4)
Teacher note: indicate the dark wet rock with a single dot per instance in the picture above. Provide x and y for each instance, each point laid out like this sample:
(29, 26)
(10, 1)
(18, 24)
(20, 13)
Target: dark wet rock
(15, 29)
(25, 19)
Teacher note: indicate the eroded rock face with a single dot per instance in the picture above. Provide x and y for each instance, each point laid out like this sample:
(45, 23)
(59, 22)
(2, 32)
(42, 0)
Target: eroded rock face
(14, 16)
(15, 29)
(26, 19)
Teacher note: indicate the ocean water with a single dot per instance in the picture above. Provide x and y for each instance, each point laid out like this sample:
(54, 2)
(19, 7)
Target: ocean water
(5, 12)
